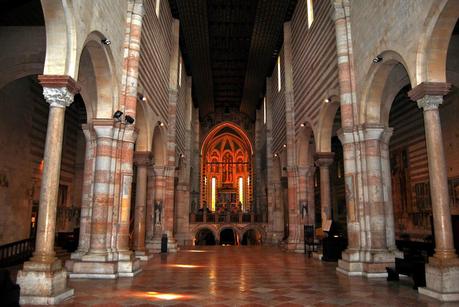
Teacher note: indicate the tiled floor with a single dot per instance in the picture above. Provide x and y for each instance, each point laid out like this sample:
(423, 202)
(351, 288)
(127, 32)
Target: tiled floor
(243, 276)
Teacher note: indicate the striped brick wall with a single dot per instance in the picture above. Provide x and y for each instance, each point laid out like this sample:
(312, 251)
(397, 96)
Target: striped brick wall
(155, 52)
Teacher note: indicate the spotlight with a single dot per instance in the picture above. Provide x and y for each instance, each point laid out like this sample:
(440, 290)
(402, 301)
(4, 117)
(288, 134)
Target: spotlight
(144, 98)
(326, 100)
(275, 155)
(118, 115)
(377, 59)
(106, 41)
(129, 119)
(302, 124)
(285, 145)
(160, 123)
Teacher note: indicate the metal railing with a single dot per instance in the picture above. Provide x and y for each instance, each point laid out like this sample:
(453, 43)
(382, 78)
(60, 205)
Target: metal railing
(225, 218)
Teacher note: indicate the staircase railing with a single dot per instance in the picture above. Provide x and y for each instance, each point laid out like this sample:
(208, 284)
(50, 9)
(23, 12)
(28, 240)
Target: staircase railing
(16, 252)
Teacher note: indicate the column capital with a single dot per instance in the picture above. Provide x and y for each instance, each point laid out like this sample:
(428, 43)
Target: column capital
(142, 158)
(373, 131)
(429, 89)
(324, 158)
(58, 90)
(130, 134)
(429, 95)
(103, 128)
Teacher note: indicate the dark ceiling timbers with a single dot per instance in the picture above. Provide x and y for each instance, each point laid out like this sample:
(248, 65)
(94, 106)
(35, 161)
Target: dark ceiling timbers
(230, 47)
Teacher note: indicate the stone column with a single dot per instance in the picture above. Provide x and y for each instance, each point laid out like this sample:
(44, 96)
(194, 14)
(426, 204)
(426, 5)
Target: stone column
(149, 224)
(86, 199)
(442, 271)
(128, 266)
(154, 243)
(142, 160)
(387, 189)
(323, 161)
(43, 280)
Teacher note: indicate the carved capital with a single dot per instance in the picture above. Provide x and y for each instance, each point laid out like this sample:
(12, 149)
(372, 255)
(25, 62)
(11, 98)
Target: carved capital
(58, 91)
(430, 102)
(324, 159)
(429, 89)
(142, 158)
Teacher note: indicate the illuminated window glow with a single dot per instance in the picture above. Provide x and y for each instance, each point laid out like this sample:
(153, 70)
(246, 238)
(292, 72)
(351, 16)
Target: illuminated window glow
(279, 81)
(310, 12)
(157, 8)
(180, 73)
(241, 190)
(264, 110)
(214, 192)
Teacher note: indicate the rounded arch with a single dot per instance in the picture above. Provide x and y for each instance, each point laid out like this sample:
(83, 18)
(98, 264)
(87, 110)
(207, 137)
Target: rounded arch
(239, 131)
(60, 39)
(145, 131)
(433, 46)
(201, 238)
(384, 82)
(303, 143)
(259, 229)
(325, 126)
(96, 77)
(236, 231)
(159, 146)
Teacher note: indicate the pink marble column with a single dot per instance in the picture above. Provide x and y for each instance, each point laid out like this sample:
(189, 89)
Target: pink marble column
(98, 244)
(323, 161)
(442, 271)
(86, 199)
(142, 160)
(42, 279)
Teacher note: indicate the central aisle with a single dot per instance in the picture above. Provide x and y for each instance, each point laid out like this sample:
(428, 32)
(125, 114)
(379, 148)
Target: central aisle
(236, 276)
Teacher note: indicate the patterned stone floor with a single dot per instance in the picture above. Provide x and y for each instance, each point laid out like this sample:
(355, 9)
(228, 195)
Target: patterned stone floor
(243, 276)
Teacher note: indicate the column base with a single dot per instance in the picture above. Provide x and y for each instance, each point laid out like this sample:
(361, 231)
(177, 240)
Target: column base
(94, 269)
(129, 268)
(371, 264)
(296, 247)
(442, 280)
(43, 283)
(154, 246)
(143, 255)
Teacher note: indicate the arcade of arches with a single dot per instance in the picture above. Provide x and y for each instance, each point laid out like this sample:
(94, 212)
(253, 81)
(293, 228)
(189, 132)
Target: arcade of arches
(303, 126)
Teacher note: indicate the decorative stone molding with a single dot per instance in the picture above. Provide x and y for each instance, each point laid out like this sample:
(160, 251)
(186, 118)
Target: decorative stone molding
(430, 102)
(324, 158)
(142, 158)
(429, 89)
(58, 90)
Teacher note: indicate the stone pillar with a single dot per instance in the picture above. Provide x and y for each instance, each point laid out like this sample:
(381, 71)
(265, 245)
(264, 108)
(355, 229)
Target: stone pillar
(86, 199)
(442, 271)
(323, 161)
(154, 243)
(128, 266)
(142, 160)
(43, 280)
(387, 189)
(149, 223)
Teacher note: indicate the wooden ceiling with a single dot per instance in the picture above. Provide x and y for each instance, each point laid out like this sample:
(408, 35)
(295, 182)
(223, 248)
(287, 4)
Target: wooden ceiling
(229, 48)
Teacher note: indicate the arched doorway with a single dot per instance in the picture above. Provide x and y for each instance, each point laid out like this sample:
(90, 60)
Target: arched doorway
(252, 237)
(228, 237)
(205, 236)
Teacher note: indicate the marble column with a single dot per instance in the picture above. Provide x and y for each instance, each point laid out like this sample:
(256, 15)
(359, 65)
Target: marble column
(442, 271)
(86, 199)
(323, 161)
(157, 215)
(128, 266)
(42, 279)
(142, 160)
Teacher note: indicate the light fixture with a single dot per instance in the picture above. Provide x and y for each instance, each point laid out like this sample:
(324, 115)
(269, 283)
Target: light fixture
(302, 124)
(326, 100)
(285, 145)
(144, 98)
(275, 155)
(160, 123)
(129, 119)
(377, 59)
(117, 115)
(106, 41)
